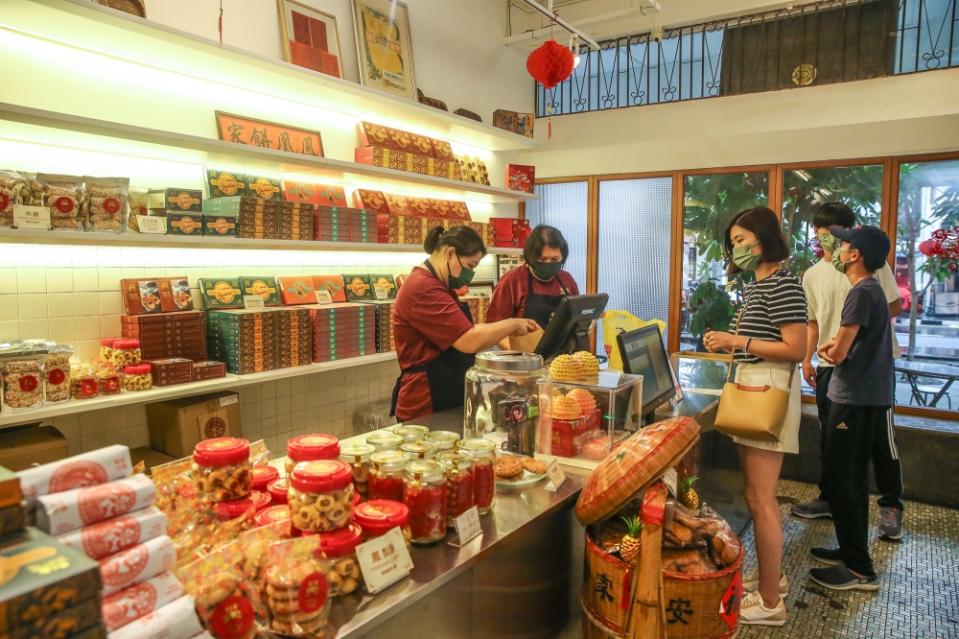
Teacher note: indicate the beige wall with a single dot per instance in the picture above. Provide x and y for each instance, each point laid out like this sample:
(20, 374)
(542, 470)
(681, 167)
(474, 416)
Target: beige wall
(903, 114)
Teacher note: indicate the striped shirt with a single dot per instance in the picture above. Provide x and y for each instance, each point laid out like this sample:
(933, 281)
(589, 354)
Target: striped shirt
(769, 304)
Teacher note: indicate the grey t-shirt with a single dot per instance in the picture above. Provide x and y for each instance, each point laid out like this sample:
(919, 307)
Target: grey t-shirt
(865, 378)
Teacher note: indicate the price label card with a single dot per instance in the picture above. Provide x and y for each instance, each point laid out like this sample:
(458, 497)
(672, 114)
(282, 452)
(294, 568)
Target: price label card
(468, 527)
(323, 297)
(384, 560)
(381, 293)
(555, 475)
(253, 301)
(671, 479)
(31, 217)
(152, 224)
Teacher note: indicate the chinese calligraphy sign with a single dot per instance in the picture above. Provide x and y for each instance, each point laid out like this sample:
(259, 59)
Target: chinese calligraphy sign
(268, 135)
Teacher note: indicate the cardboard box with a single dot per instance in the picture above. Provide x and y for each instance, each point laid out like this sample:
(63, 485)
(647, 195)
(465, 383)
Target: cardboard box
(184, 223)
(150, 458)
(22, 447)
(329, 195)
(175, 199)
(225, 183)
(264, 286)
(219, 225)
(177, 425)
(221, 292)
(10, 493)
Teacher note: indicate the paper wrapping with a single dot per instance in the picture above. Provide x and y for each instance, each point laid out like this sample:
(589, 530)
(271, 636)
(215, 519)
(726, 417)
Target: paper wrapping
(79, 471)
(60, 513)
(137, 564)
(140, 600)
(176, 619)
(113, 535)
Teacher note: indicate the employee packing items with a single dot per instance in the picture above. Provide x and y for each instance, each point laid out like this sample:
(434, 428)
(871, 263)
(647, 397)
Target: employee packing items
(535, 289)
(435, 334)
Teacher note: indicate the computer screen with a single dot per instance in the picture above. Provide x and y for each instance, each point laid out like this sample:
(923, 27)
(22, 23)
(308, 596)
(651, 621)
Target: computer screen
(568, 329)
(644, 354)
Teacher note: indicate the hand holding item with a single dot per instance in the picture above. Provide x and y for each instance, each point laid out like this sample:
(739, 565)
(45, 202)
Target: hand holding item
(523, 326)
(721, 341)
(809, 372)
(825, 351)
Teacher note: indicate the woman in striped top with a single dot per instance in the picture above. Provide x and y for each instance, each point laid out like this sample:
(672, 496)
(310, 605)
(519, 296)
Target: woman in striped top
(768, 342)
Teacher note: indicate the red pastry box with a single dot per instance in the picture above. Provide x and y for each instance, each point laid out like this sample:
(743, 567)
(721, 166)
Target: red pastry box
(510, 232)
(171, 371)
(208, 370)
(326, 194)
(520, 177)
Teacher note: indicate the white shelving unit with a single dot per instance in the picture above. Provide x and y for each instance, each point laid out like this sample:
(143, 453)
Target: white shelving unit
(230, 382)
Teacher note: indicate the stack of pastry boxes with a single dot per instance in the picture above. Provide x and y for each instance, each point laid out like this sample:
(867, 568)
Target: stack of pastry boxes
(243, 338)
(182, 209)
(404, 151)
(264, 219)
(401, 219)
(343, 330)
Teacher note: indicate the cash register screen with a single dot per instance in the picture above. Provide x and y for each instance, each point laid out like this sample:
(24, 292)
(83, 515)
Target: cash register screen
(644, 354)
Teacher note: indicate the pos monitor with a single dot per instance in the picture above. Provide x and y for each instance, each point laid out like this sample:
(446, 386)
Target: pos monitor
(644, 353)
(568, 330)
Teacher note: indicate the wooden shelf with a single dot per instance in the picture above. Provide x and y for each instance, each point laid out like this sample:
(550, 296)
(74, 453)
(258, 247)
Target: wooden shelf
(209, 152)
(30, 236)
(87, 26)
(230, 382)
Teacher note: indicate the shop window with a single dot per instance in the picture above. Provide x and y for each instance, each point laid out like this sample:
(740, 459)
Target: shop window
(928, 328)
(564, 206)
(709, 202)
(634, 245)
(927, 35)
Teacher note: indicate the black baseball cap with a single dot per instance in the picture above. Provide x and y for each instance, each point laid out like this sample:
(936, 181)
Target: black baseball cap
(868, 240)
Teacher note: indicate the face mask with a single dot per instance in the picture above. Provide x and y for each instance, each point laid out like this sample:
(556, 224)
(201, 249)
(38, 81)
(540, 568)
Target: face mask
(546, 270)
(837, 260)
(743, 257)
(465, 277)
(829, 243)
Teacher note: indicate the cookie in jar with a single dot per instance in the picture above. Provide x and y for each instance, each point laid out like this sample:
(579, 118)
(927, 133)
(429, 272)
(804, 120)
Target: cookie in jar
(321, 495)
(310, 447)
(126, 352)
(357, 455)
(339, 547)
(222, 469)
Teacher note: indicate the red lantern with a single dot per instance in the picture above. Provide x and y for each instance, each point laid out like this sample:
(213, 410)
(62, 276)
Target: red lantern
(550, 64)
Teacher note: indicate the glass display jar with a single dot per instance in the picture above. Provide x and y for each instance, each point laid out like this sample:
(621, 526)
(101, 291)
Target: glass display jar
(419, 449)
(443, 439)
(339, 546)
(411, 432)
(386, 474)
(279, 490)
(136, 378)
(502, 401)
(484, 479)
(126, 352)
(106, 349)
(379, 516)
(311, 447)
(222, 469)
(321, 495)
(460, 493)
(425, 496)
(357, 455)
(272, 515)
(384, 440)
(263, 475)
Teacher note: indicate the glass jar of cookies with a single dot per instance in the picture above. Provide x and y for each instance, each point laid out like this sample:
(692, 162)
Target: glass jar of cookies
(126, 352)
(443, 439)
(222, 469)
(425, 496)
(279, 490)
(271, 515)
(106, 350)
(386, 474)
(484, 478)
(379, 516)
(384, 440)
(460, 493)
(339, 546)
(263, 474)
(357, 454)
(310, 448)
(321, 495)
(137, 378)
(501, 401)
(419, 449)
(411, 432)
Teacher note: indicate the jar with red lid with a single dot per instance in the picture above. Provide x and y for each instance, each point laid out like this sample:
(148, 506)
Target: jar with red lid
(484, 479)
(236, 509)
(126, 352)
(411, 432)
(443, 439)
(384, 440)
(460, 493)
(279, 490)
(272, 515)
(386, 474)
(262, 475)
(137, 378)
(261, 499)
(321, 495)
(339, 546)
(425, 496)
(310, 448)
(222, 469)
(106, 349)
(419, 449)
(379, 516)
(357, 454)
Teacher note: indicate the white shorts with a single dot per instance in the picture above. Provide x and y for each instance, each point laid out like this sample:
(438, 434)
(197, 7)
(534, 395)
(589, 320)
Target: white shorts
(776, 374)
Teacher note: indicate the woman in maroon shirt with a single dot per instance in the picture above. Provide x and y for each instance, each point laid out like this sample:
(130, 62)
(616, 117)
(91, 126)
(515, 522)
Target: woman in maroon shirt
(434, 331)
(536, 288)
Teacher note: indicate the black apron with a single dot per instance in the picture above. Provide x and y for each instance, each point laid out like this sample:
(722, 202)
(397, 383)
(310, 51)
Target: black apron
(446, 374)
(541, 307)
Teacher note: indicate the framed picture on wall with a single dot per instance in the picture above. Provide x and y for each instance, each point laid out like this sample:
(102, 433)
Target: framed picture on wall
(384, 47)
(309, 37)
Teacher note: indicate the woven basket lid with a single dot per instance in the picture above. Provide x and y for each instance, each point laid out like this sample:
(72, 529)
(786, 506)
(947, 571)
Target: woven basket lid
(634, 465)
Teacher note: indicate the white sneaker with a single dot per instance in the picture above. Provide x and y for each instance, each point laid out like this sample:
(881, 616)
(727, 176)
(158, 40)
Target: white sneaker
(751, 583)
(754, 613)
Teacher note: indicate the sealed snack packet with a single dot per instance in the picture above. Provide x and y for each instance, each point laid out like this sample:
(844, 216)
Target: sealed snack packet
(227, 600)
(105, 203)
(12, 185)
(63, 194)
(296, 588)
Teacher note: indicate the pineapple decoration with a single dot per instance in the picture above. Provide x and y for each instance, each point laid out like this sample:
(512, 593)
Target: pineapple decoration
(688, 495)
(629, 546)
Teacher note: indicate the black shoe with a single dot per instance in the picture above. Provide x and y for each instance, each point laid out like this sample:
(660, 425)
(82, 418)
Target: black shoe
(841, 578)
(815, 509)
(828, 556)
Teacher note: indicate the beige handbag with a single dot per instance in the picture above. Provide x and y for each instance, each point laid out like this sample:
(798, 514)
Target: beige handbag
(752, 412)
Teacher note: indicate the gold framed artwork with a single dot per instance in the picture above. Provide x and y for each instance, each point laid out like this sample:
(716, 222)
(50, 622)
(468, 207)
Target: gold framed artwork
(240, 129)
(384, 47)
(309, 37)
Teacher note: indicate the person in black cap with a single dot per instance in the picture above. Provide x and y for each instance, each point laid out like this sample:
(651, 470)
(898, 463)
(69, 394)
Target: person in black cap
(861, 392)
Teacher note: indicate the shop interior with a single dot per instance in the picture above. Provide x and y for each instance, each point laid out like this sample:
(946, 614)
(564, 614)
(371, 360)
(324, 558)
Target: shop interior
(208, 213)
